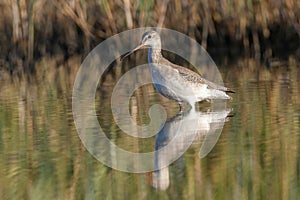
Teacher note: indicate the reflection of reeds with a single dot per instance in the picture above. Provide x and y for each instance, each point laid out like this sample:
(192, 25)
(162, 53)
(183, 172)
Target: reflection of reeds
(257, 155)
(40, 27)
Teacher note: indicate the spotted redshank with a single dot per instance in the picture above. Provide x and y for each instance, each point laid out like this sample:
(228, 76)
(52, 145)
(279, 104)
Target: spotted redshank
(176, 82)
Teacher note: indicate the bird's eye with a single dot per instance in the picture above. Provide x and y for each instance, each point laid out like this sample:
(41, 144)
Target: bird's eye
(149, 36)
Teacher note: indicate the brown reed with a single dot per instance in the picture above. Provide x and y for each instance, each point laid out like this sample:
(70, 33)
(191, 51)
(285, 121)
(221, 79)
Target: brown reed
(34, 28)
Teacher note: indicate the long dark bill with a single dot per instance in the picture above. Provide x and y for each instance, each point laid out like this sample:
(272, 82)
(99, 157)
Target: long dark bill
(130, 52)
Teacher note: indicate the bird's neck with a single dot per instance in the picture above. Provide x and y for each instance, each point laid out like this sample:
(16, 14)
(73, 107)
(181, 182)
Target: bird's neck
(154, 55)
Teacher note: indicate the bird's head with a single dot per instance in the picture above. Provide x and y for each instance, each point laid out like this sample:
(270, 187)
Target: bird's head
(150, 39)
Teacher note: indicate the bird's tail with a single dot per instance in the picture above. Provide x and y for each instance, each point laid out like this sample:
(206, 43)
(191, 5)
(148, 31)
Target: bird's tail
(218, 94)
(224, 89)
(212, 85)
(228, 90)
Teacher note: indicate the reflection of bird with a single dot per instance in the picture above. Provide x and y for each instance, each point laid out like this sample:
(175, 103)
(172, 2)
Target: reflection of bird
(176, 82)
(178, 133)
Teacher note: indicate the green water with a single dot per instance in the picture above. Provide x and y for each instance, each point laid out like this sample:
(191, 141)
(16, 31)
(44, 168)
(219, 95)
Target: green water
(256, 156)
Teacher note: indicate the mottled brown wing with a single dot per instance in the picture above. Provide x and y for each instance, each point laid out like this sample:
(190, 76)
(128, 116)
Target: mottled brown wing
(193, 77)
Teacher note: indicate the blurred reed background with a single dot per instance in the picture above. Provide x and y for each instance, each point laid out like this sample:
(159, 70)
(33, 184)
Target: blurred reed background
(261, 29)
(41, 155)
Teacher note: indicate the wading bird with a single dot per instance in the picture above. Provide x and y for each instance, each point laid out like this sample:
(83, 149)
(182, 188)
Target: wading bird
(176, 82)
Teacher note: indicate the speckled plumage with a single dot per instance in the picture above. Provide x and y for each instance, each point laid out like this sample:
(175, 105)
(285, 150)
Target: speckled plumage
(176, 82)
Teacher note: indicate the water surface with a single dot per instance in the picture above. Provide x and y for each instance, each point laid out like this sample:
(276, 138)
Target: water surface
(255, 157)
